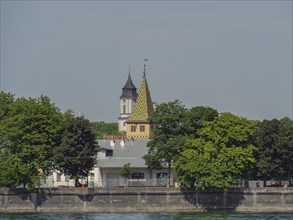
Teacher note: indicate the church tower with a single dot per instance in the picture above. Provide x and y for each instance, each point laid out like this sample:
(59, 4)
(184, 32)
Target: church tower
(127, 101)
(139, 124)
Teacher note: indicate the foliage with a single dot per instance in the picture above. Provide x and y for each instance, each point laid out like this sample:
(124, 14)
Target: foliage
(28, 131)
(102, 128)
(218, 158)
(286, 144)
(194, 118)
(76, 155)
(274, 139)
(6, 102)
(125, 171)
(167, 137)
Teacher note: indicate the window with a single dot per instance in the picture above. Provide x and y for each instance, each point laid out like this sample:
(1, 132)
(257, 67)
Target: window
(58, 177)
(142, 128)
(162, 175)
(67, 178)
(109, 153)
(124, 109)
(137, 175)
(133, 128)
(92, 176)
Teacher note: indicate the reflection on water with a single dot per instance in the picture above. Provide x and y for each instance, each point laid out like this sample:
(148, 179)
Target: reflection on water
(149, 216)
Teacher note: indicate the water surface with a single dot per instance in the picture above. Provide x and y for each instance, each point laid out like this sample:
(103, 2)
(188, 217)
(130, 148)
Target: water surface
(148, 216)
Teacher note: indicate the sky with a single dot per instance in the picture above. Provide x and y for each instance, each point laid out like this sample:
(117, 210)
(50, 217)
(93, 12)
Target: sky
(234, 56)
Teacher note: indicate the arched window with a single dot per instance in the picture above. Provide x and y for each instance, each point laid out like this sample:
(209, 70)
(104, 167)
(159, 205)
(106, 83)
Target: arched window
(124, 109)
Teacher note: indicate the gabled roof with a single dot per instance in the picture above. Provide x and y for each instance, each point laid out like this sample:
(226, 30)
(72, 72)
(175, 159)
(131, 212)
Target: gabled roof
(129, 90)
(144, 106)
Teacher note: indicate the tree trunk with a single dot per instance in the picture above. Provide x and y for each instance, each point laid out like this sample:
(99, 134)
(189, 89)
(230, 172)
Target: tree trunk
(169, 175)
(77, 183)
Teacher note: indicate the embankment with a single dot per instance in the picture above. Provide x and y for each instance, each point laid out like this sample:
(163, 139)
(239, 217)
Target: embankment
(144, 199)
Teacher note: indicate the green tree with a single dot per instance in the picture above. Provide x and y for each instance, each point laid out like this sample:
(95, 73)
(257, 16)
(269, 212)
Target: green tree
(286, 143)
(125, 172)
(167, 137)
(76, 155)
(174, 124)
(6, 102)
(274, 156)
(219, 157)
(101, 129)
(29, 132)
(194, 118)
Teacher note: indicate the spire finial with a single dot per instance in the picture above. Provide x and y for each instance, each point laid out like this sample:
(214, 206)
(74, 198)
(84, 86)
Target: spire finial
(129, 69)
(145, 60)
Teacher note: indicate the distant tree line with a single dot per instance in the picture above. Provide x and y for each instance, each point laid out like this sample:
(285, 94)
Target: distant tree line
(211, 150)
(101, 129)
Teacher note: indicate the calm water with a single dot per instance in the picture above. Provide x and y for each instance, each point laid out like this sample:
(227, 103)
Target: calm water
(147, 216)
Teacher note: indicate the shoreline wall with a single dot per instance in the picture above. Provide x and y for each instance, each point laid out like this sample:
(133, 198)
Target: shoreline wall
(143, 199)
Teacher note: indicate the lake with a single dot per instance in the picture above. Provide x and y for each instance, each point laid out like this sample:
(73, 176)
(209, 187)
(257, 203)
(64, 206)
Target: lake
(148, 216)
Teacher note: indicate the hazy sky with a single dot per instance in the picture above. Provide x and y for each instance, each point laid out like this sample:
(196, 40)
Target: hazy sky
(232, 56)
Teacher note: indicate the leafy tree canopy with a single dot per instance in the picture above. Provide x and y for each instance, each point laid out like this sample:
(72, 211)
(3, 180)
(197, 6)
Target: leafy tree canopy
(274, 139)
(219, 157)
(76, 155)
(125, 171)
(29, 130)
(174, 124)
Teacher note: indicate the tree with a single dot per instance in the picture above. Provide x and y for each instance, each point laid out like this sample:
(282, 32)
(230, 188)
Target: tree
(219, 157)
(125, 171)
(6, 102)
(29, 131)
(194, 118)
(274, 156)
(286, 143)
(167, 137)
(174, 124)
(76, 155)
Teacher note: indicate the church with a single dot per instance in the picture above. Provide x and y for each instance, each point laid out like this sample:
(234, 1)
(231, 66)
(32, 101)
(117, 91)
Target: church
(117, 151)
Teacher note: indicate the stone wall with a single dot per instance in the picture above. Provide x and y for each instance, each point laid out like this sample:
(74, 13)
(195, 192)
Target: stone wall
(144, 199)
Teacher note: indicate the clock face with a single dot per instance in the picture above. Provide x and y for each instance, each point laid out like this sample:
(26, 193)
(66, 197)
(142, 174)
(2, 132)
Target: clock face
(124, 100)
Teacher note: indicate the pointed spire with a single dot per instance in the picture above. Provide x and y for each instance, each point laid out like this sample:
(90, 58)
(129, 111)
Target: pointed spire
(144, 105)
(144, 66)
(144, 69)
(129, 90)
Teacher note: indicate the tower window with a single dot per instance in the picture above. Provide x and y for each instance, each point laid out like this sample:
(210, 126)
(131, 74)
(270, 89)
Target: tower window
(133, 128)
(124, 109)
(142, 128)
